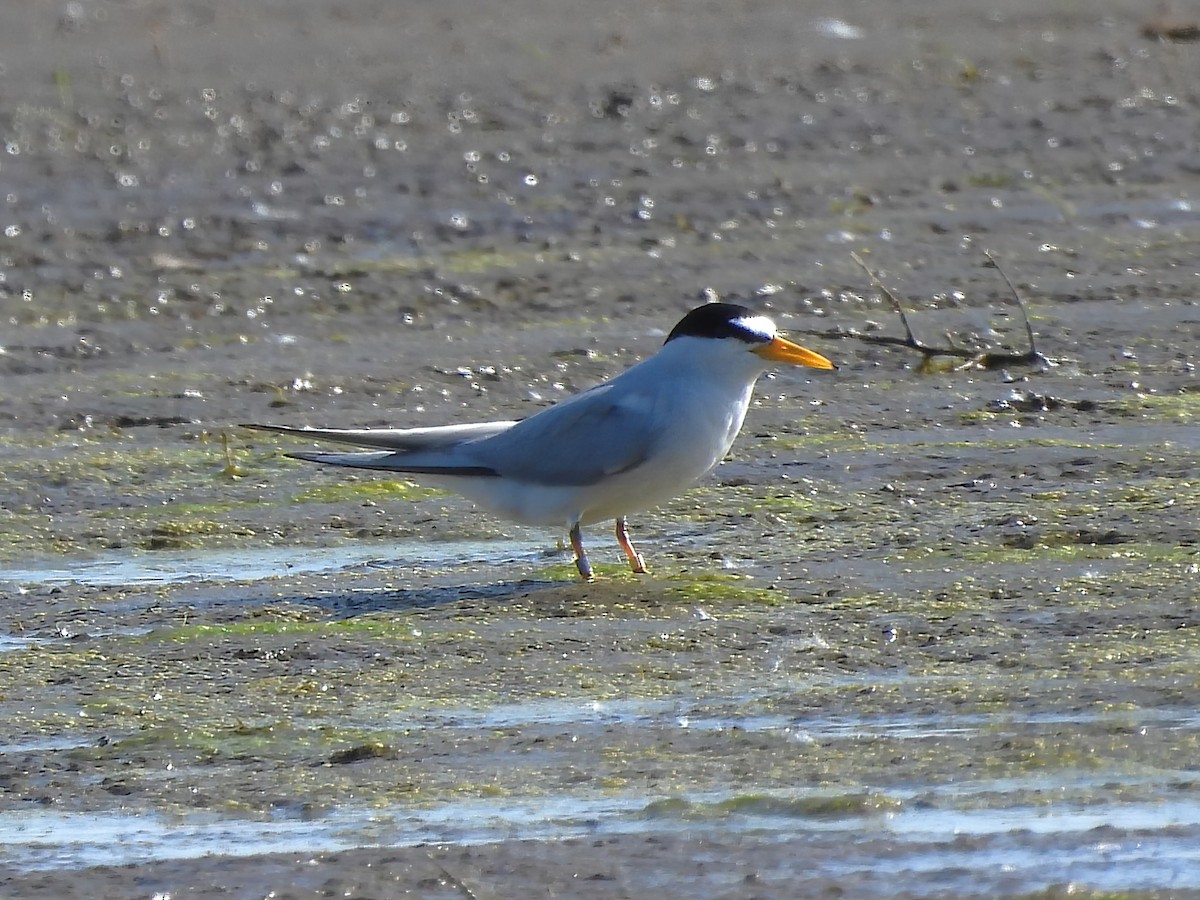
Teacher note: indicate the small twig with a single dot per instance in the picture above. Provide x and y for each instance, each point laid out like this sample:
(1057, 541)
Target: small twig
(989, 359)
(910, 338)
(1030, 356)
(1165, 25)
(231, 470)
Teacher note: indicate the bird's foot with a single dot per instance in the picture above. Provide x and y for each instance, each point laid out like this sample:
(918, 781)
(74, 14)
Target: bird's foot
(582, 563)
(585, 568)
(636, 563)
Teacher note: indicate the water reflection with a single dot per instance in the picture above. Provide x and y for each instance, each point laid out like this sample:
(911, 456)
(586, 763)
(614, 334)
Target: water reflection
(265, 562)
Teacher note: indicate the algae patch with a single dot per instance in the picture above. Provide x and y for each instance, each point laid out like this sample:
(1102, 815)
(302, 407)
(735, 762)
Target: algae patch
(373, 490)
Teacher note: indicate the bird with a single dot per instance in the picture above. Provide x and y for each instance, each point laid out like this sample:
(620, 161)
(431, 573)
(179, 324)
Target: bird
(625, 445)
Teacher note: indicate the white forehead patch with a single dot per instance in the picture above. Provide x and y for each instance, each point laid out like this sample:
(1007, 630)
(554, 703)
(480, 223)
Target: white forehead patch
(759, 326)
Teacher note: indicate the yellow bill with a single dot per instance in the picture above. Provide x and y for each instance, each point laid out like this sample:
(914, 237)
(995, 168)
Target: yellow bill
(782, 350)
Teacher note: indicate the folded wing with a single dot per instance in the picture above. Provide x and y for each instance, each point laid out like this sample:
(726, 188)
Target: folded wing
(435, 451)
(580, 441)
(401, 439)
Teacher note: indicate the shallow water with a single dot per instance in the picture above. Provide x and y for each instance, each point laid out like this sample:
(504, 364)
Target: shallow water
(1147, 844)
(1114, 829)
(195, 566)
(16, 642)
(703, 715)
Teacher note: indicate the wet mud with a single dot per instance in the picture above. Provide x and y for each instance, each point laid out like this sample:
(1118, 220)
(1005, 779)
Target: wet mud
(931, 629)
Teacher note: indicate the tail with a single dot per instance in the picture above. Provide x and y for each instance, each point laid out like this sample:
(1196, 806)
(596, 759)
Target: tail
(393, 462)
(413, 451)
(439, 437)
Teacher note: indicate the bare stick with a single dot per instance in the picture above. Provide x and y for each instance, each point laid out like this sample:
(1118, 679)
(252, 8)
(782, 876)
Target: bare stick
(988, 359)
(910, 338)
(1032, 355)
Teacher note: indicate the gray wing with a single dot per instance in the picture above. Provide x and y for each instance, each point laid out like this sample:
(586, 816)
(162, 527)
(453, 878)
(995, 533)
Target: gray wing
(439, 437)
(578, 442)
(439, 450)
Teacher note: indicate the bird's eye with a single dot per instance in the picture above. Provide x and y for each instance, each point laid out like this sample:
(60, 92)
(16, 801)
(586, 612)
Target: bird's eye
(756, 328)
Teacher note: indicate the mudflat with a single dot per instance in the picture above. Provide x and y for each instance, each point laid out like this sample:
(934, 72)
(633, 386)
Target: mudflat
(931, 630)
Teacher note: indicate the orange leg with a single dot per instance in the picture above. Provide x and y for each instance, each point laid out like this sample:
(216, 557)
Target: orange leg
(581, 558)
(635, 559)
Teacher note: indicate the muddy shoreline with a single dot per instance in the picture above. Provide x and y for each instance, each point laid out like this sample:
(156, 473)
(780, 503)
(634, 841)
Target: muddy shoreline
(930, 631)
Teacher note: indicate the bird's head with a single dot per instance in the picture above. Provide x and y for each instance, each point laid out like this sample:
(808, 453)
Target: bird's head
(739, 328)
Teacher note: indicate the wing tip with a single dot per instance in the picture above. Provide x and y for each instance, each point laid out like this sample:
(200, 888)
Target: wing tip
(307, 457)
(255, 426)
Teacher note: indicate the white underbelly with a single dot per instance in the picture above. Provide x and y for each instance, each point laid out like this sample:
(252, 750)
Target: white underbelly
(701, 437)
(642, 487)
(563, 505)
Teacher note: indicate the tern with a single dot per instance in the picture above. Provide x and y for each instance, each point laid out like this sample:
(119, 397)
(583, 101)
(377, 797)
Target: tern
(622, 446)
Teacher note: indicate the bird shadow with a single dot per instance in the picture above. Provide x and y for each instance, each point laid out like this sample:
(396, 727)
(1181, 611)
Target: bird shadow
(339, 605)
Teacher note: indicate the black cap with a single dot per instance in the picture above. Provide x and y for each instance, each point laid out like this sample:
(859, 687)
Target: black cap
(719, 320)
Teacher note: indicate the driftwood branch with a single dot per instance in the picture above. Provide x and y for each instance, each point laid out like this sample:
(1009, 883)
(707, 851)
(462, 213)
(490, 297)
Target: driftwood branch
(972, 358)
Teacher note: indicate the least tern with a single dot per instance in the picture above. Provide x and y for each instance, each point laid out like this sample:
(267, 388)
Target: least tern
(625, 445)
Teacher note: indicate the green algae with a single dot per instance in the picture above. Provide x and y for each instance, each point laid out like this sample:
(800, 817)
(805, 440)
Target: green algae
(374, 489)
(726, 593)
(149, 482)
(212, 694)
(317, 700)
(389, 628)
(1181, 407)
(818, 446)
(818, 806)
(568, 572)
(1056, 548)
(119, 465)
